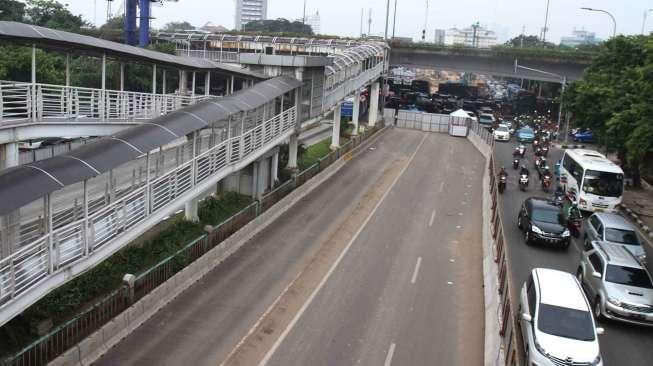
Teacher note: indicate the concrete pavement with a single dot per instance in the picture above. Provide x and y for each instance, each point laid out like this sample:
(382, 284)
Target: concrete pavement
(621, 344)
(371, 293)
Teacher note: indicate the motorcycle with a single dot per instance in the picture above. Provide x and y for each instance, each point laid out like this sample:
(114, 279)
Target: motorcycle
(515, 164)
(546, 183)
(516, 152)
(535, 144)
(502, 183)
(545, 150)
(522, 150)
(523, 182)
(537, 162)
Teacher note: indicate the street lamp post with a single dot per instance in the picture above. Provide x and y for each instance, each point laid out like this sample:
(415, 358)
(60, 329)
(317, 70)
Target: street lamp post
(644, 21)
(614, 22)
(563, 82)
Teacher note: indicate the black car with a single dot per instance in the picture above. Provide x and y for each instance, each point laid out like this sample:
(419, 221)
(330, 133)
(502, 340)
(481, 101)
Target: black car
(542, 222)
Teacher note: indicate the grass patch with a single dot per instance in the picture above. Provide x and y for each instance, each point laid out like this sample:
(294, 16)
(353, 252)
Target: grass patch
(314, 153)
(71, 298)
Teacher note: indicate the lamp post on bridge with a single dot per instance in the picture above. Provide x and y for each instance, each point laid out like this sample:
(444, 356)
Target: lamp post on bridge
(563, 82)
(614, 22)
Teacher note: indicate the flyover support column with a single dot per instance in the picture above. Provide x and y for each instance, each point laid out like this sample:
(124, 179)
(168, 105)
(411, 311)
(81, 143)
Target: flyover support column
(207, 83)
(374, 105)
(335, 135)
(356, 111)
(122, 76)
(9, 223)
(68, 69)
(191, 207)
(256, 192)
(192, 92)
(231, 85)
(183, 82)
(274, 170)
(163, 82)
(292, 151)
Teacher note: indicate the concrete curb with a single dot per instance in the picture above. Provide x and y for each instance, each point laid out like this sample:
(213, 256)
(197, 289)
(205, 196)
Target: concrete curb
(97, 344)
(494, 353)
(632, 216)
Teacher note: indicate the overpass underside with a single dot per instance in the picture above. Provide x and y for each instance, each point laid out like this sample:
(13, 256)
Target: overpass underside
(487, 65)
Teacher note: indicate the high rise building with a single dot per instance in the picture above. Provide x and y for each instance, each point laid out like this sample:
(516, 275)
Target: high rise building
(250, 10)
(314, 22)
(474, 36)
(439, 36)
(580, 37)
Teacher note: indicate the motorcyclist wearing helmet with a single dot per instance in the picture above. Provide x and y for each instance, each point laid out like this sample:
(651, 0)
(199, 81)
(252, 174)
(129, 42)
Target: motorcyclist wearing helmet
(524, 171)
(503, 172)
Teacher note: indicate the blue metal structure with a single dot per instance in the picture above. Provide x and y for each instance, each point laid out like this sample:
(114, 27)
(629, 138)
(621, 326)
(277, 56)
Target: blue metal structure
(144, 31)
(130, 22)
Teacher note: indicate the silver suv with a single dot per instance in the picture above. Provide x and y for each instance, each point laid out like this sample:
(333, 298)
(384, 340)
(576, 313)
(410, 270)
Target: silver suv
(556, 321)
(613, 229)
(619, 284)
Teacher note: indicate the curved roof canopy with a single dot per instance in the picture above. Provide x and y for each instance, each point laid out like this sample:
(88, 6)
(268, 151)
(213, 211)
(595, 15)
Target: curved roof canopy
(26, 183)
(60, 40)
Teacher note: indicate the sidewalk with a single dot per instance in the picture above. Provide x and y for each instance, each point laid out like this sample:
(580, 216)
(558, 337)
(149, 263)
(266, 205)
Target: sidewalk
(640, 203)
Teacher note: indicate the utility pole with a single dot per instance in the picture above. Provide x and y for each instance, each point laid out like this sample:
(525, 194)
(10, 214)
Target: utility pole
(362, 16)
(475, 35)
(546, 22)
(426, 20)
(387, 18)
(369, 22)
(304, 16)
(521, 39)
(394, 20)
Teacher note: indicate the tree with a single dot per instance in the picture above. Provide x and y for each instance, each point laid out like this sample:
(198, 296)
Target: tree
(615, 99)
(278, 26)
(53, 14)
(12, 10)
(177, 26)
(524, 41)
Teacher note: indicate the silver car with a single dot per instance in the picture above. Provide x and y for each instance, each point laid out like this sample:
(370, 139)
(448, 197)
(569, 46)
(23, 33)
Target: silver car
(615, 230)
(556, 321)
(617, 282)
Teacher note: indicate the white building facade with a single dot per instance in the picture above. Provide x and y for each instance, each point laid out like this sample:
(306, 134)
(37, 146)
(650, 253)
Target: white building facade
(250, 10)
(579, 37)
(475, 36)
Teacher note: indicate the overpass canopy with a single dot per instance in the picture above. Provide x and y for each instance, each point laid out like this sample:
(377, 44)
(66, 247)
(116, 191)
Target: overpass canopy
(26, 183)
(47, 38)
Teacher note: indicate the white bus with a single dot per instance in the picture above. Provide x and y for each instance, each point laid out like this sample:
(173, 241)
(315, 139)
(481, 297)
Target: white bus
(597, 182)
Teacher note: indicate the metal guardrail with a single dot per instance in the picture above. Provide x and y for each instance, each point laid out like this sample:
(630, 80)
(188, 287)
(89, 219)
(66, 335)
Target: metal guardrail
(220, 56)
(60, 248)
(509, 325)
(65, 336)
(26, 102)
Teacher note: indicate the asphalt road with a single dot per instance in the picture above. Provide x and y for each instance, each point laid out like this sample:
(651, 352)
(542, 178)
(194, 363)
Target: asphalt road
(621, 344)
(377, 298)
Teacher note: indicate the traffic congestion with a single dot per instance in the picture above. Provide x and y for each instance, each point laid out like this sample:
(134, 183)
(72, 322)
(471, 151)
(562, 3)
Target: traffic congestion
(585, 294)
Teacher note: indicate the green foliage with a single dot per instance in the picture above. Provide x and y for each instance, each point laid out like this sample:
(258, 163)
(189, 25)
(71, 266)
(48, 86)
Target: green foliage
(278, 27)
(524, 41)
(615, 99)
(12, 10)
(216, 210)
(53, 14)
(177, 26)
(314, 153)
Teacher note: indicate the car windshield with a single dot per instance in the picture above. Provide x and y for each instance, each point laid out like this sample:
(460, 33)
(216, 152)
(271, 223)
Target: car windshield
(628, 276)
(603, 183)
(621, 236)
(502, 129)
(486, 118)
(566, 322)
(526, 131)
(546, 215)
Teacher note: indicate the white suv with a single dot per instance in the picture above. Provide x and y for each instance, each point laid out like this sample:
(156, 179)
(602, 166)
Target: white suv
(556, 321)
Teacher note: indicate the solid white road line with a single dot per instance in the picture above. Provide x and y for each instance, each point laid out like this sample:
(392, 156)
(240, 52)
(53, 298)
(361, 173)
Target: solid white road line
(416, 271)
(441, 186)
(301, 311)
(432, 218)
(391, 352)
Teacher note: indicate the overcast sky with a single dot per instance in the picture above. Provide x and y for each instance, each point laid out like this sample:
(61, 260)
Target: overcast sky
(342, 17)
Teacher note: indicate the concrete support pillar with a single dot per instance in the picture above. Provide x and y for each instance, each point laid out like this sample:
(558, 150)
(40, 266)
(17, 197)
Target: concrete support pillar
(163, 82)
(122, 76)
(9, 224)
(374, 105)
(256, 176)
(183, 82)
(33, 64)
(67, 69)
(191, 209)
(299, 73)
(231, 85)
(207, 83)
(335, 135)
(154, 79)
(192, 92)
(292, 151)
(356, 111)
(274, 170)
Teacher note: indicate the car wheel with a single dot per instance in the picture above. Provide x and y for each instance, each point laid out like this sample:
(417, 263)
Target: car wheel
(597, 308)
(527, 237)
(519, 222)
(566, 245)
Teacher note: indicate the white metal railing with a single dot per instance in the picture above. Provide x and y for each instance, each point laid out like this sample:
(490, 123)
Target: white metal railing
(220, 56)
(26, 102)
(57, 250)
(331, 97)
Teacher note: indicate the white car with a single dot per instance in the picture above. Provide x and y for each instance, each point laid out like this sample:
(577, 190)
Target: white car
(556, 321)
(501, 133)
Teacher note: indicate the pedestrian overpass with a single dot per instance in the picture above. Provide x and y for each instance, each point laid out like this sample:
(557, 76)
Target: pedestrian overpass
(65, 214)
